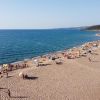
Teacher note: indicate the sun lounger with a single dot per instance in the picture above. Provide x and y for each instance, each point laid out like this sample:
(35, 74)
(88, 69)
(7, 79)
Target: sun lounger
(43, 63)
(58, 61)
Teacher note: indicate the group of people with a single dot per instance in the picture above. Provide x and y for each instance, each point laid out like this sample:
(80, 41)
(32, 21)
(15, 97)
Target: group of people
(83, 50)
(6, 68)
(76, 52)
(69, 54)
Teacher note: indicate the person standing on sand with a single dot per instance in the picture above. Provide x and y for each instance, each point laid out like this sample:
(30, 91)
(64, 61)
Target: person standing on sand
(5, 66)
(1, 72)
(21, 74)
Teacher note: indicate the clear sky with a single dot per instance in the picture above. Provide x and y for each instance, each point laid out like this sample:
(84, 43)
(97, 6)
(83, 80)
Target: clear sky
(48, 13)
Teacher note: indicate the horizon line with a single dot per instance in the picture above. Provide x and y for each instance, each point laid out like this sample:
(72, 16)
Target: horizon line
(45, 28)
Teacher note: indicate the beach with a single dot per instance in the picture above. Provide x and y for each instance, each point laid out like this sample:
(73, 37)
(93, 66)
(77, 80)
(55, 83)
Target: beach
(49, 50)
(69, 76)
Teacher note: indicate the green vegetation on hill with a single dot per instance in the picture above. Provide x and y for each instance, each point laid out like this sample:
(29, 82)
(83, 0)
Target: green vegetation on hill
(96, 27)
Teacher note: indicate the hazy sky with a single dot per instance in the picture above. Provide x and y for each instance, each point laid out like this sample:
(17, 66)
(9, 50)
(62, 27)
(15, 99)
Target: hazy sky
(48, 13)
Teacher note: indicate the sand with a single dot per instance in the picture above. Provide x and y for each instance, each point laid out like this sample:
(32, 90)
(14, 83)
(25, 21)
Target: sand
(75, 79)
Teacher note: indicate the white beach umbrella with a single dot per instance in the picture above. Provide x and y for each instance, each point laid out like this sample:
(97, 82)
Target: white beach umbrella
(5, 66)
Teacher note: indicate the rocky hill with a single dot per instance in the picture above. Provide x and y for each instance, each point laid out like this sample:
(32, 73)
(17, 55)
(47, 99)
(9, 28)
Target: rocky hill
(95, 28)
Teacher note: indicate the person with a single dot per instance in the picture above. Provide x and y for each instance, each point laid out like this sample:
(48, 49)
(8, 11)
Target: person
(0, 71)
(10, 67)
(36, 62)
(5, 66)
(26, 76)
(21, 74)
(1, 75)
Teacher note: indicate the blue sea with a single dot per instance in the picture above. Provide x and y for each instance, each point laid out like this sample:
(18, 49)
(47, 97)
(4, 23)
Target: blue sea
(17, 45)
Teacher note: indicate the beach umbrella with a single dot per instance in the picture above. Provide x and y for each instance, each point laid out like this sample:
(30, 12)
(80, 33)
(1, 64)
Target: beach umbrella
(5, 66)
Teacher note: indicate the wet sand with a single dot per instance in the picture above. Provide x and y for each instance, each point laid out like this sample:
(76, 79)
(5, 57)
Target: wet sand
(75, 79)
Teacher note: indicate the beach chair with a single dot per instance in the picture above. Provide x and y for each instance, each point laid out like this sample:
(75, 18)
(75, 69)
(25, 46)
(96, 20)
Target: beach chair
(58, 61)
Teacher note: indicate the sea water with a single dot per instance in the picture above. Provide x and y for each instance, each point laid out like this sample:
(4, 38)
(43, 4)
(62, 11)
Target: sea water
(17, 45)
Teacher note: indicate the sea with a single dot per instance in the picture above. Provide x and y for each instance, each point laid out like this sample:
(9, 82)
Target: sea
(16, 45)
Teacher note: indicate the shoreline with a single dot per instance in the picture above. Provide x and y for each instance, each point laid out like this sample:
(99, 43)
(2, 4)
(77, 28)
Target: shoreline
(56, 52)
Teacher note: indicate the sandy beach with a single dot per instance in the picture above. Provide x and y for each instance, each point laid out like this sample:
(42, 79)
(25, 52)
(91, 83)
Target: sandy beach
(49, 50)
(74, 79)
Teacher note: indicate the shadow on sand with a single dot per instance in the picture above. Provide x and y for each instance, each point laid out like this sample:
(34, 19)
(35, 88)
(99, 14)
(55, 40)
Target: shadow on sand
(18, 97)
(9, 76)
(2, 88)
(31, 78)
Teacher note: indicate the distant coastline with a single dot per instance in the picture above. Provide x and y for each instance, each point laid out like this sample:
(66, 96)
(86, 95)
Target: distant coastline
(93, 28)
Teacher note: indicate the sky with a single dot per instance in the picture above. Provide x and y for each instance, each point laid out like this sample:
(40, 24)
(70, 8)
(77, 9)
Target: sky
(41, 14)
